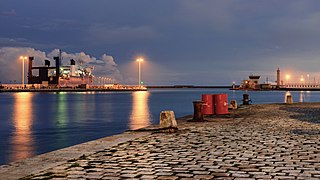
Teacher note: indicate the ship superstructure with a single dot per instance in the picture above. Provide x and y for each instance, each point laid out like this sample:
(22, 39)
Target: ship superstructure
(60, 75)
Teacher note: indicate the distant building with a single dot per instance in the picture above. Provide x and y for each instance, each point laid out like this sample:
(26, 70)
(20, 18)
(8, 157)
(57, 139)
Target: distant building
(251, 83)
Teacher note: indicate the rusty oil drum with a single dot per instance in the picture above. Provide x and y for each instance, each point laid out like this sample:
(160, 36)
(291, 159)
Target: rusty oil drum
(208, 104)
(221, 104)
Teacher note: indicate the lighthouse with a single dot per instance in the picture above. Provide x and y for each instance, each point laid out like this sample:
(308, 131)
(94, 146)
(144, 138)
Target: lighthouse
(278, 78)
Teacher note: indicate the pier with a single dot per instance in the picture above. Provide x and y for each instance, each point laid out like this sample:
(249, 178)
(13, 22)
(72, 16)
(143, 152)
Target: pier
(275, 141)
(301, 87)
(78, 88)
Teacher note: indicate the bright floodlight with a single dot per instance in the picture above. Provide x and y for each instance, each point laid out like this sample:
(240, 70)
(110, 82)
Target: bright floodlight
(139, 59)
(22, 78)
(287, 76)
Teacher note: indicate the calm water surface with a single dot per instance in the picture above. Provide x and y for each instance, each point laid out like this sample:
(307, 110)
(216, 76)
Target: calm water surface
(35, 123)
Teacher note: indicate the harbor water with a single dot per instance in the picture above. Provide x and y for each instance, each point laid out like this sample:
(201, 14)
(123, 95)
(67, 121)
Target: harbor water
(35, 123)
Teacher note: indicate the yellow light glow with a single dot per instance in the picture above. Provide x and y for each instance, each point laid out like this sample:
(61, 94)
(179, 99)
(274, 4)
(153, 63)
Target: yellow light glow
(287, 76)
(22, 119)
(139, 60)
(140, 115)
(23, 57)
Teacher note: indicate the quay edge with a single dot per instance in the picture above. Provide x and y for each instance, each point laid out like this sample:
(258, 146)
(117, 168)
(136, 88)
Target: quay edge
(34, 165)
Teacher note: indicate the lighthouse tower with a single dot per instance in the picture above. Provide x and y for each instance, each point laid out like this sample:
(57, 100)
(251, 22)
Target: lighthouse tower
(278, 78)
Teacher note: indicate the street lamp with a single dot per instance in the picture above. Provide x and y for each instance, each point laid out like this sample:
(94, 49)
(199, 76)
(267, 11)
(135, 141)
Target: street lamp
(302, 80)
(287, 78)
(139, 60)
(23, 58)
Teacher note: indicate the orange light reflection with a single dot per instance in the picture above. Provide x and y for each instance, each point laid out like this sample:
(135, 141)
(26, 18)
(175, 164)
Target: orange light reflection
(22, 142)
(140, 115)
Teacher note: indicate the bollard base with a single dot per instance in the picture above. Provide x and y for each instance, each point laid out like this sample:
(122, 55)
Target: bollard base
(192, 120)
(168, 130)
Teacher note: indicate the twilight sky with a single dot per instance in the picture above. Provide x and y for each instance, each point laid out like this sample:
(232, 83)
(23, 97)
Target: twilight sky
(207, 42)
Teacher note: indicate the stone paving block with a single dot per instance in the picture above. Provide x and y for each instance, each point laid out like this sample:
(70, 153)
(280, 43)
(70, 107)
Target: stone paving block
(111, 177)
(257, 173)
(164, 174)
(220, 174)
(184, 175)
(148, 177)
(262, 177)
(200, 172)
(240, 175)
(111, 174)
(203, 177)
(284, 177)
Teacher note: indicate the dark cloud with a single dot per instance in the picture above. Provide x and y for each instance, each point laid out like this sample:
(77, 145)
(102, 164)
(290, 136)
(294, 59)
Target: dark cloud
(186, 41)
(124, 34)
(10, 12)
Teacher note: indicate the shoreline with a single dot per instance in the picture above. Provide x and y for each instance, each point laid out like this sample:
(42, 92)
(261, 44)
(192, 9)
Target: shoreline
(257, 138)
(38, 163)
(69, 90)
(149, 87)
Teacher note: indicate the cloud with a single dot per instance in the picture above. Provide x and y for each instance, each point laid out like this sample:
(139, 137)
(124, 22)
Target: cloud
(51, 25)
(216, 15)
(107, 67)
(10, 64)
(122, 34)
(290, 29)
(10, 12)
(23, 42)
(4, 42)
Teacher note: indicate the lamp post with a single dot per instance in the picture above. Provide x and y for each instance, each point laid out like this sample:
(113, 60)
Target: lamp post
(22, 79)
(302, 80)
(287, 78)
(139, 60)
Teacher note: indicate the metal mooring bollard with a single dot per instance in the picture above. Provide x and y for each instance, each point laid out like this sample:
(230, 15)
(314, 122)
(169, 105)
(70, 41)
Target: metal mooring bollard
(246, 100)
(197, 113)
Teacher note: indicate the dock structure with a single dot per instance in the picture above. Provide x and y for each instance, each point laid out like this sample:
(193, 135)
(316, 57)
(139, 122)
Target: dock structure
(252, 83)
(300, 87)
(274, 141)
(75, 88)
(303, 86)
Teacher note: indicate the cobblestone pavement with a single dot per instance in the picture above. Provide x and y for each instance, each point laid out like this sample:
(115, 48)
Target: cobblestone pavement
(256, 142)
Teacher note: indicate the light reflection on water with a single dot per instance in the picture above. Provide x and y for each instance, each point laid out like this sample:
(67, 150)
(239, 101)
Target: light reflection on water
(140, 115)
(35, 123)
(62, 110)
(22, 142)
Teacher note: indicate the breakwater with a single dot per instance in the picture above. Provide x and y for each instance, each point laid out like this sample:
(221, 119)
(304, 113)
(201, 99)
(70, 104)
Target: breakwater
(79, 88)
(188, 86)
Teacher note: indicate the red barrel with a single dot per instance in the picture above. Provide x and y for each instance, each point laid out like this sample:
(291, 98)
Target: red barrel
(221, 104)
(208, 104)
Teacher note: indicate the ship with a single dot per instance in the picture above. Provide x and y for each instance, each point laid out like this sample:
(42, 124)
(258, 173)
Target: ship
(60, 75)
